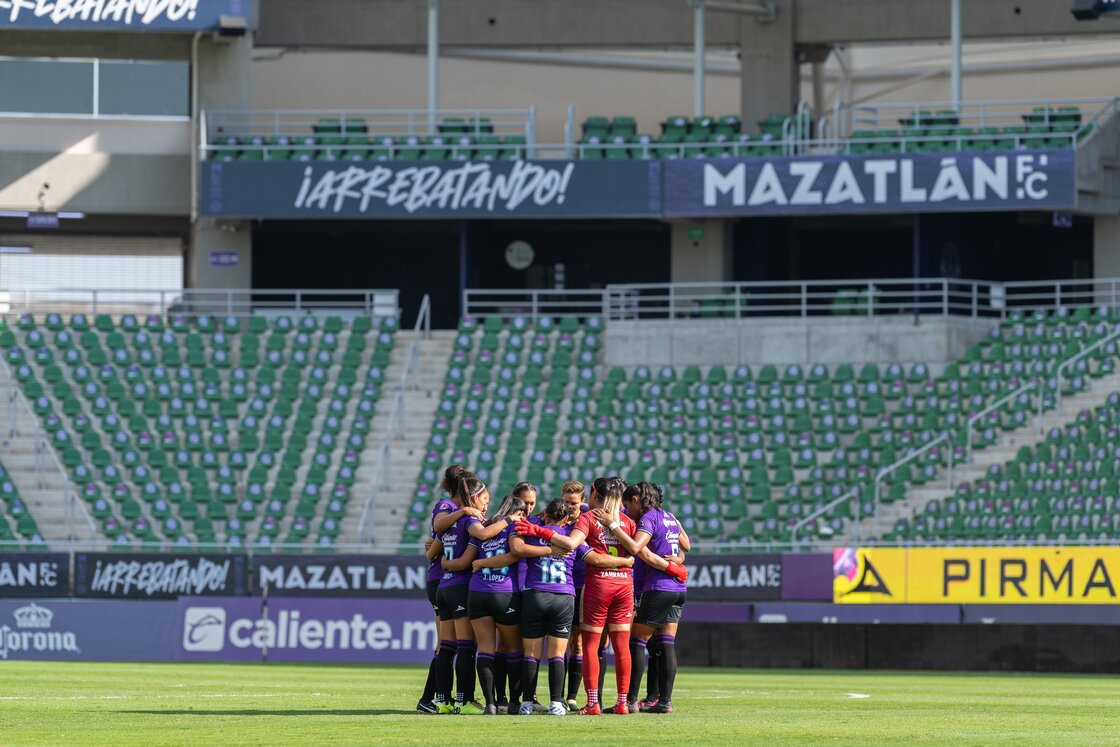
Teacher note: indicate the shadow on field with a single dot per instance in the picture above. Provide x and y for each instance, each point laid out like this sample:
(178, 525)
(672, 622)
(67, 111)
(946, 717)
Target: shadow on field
(261, 712)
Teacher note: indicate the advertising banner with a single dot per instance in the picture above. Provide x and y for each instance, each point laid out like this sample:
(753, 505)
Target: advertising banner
(121, 15)
(365, 631)
(431, 189)
(895, 183)
(806, 577)
(734, 578)
(341, 575)
(86, 630)
(158, 575)
(34, 574)
(977, 575)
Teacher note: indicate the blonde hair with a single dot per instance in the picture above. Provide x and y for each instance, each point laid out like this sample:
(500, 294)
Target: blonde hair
(611, 498)
(573, 486)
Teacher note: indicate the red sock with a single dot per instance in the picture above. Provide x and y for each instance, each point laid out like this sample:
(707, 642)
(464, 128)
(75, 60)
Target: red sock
(591, 665)
(620, 640)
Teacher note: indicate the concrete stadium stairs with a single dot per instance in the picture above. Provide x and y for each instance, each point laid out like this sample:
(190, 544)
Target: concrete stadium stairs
(406, 450)
(1004, 451)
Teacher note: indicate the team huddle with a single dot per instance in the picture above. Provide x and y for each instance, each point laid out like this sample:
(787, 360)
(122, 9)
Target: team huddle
(523, 588)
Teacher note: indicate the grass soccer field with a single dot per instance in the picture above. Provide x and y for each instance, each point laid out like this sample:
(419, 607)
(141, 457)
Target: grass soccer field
(215, 704)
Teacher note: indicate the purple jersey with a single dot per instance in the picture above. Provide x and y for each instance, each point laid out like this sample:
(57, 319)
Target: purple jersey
(443, 506)
(455, 541)
(549, 573)
(494, 579)
(664, 539)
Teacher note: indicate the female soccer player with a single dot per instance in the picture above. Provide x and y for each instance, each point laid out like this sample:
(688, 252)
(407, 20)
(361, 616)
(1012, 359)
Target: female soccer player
(573, 492)
(452, 599)
(549, 600)
(495, 596)
(507, 660)
(608, 594)
(662, 595)
(445, 513)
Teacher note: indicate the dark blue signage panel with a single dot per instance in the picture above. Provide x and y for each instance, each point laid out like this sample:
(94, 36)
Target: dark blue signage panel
(431, 189)
(121, 15)
(896, 183)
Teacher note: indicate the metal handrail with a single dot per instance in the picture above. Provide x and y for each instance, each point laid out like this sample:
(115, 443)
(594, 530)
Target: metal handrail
(535, 303)
(70, 496)
(909, 458)
(825, 509)
(1058, 374)
(987, 411)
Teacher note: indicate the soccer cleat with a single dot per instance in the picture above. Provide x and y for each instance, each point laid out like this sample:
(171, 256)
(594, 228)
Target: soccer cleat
(621, 709)
(632, 707)
(513, 708)
(661, 708)
(558, 709)
(572, 705)
(490, 710)
(503, 706)
(427, 706)
(448, 709)
(591, 710)
(471, 708)
(539, 707)
(645, 705)
(526, 709)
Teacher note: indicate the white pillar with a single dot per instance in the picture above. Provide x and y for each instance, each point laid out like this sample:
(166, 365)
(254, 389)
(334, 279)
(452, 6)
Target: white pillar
(433, 63)
(698, 63)
(955, 39)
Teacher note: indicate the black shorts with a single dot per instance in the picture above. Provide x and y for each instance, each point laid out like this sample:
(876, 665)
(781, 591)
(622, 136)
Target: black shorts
(659, 608)
(503, 606)
(546, 613)
(451, 602)
(433, 587)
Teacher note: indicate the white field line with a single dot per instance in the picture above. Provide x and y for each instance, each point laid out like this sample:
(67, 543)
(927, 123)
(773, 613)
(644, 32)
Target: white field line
(169, 696)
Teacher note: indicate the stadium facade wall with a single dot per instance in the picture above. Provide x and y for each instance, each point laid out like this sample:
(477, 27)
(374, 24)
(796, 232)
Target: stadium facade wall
(756, 341)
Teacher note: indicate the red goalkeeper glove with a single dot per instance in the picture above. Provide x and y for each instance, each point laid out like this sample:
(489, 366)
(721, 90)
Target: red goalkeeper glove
(527, 529)
(679, 572)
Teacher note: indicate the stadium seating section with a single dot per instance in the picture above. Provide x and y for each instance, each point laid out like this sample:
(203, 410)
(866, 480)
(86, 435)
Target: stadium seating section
(331, 139)
(685, 137)
(16, 522)
(927, 131)
(617, 138)
(200, 429)
(744, 453)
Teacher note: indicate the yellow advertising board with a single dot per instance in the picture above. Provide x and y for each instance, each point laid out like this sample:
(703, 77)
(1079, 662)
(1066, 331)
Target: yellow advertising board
(977, 575)
(869, 575)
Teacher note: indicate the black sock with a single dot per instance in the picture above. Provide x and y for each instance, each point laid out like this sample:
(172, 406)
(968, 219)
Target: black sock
(637, 667)
(485, 664)
(653, 671)
(430, 684)
(575, 676)
(514, 667)
(445, 667)
(602, 671)
(464, 671)
(556, 679)
(668, 673)
(529, 668)
(500, 677)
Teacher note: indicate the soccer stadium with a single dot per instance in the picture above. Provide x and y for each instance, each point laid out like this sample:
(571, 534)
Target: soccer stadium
(420, 371)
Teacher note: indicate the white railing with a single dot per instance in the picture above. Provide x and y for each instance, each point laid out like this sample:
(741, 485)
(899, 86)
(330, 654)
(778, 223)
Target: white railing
(373, 303)
(975, 417)
(857, 297)
(853, 493)
(18, 407)
(394, 430)
(532, 304)
(910, 457)
(1062, 367)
